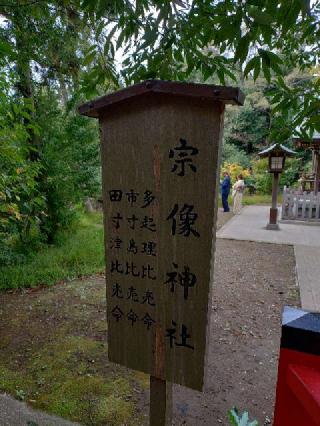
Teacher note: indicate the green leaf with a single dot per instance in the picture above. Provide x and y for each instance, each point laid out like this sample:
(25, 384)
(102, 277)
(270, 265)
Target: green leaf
(89, 58)
(120, 39)
(177, 54)
(257, 68)
(242, 420)
(233, 416)
(242, 49)
(251, 65)
(282, 83)
(5, 48)
(26, 115)
(221, 76)
(272, 60)
(260, 17)
(111, 34)
(272, 56)
(276, 98)
(88, 5)
(100, 28)
(315, 121)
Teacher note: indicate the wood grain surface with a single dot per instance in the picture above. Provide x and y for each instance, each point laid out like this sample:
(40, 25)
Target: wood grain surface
(141, 143)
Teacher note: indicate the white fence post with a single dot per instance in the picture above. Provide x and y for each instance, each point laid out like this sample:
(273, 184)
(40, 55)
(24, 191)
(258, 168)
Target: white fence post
(300, 206)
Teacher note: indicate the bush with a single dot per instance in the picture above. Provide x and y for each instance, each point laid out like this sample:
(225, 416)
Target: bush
(263, 179)
(290, 174)
(234, 170)
(70, 161)
(21, 203)
(231, 154)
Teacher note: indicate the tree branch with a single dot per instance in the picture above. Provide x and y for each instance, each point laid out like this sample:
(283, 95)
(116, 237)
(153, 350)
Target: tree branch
(30, 3)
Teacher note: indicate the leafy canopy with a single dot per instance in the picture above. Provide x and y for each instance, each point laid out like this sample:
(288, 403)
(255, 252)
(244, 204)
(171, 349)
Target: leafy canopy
(173, 39)
(118, 42)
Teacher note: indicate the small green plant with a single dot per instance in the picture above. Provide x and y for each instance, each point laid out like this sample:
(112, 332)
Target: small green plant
(20, 394)
(241, 419)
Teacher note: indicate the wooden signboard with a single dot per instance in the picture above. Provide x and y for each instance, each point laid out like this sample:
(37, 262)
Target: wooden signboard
(160, 144)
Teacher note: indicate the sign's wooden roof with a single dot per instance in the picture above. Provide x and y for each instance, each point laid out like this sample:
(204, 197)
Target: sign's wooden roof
(224, 94)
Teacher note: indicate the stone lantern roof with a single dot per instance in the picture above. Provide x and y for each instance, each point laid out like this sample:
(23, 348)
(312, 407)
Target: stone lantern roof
(276, 149)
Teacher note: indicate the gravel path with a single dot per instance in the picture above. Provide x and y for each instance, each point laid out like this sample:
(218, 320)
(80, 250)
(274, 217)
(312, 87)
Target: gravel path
(253, 281)
(15, 413)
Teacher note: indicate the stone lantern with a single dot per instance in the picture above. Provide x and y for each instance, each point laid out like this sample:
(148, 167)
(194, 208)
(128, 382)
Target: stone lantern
(277, 154)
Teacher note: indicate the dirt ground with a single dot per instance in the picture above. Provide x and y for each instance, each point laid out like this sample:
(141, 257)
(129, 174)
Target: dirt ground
(52, 340)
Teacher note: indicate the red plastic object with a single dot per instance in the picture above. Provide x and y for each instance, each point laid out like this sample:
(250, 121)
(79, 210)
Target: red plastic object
(298, 389)
(304, 382)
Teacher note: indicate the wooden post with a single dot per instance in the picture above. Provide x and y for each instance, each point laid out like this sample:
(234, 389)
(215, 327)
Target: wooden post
(275, 189)
(160, 413)
(160, 402)
(273, 220)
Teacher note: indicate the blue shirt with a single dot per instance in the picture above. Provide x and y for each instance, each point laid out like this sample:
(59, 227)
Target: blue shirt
(225, 186)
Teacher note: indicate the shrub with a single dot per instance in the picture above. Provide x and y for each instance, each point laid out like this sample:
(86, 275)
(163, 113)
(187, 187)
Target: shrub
(234, 170)
(263, 179)
(232, 154)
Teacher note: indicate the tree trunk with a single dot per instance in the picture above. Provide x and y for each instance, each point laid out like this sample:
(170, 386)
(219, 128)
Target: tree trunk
(25, 83)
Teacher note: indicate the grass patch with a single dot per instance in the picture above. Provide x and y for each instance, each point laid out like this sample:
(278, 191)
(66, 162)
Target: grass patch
(251, 200)
(63, 379)
(13, 383)
(78, 252)
(53, 355)
(90, 400)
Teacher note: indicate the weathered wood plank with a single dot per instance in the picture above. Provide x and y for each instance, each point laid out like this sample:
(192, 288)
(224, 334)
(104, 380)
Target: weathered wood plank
(140, 144)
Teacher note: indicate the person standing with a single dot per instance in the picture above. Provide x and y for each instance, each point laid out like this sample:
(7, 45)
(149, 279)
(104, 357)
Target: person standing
(225, 191)
(237, 194)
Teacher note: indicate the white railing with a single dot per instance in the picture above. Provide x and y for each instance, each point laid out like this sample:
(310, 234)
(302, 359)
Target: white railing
(297, 205)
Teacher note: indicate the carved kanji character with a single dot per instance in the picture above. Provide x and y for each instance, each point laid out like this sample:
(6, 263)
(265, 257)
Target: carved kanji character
(182, 156)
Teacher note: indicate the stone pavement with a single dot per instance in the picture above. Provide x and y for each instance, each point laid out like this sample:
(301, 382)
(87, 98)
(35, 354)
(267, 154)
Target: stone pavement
(15, 413)
(250, 225)
(308, 275)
